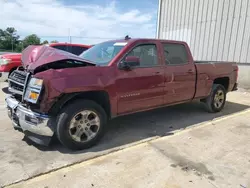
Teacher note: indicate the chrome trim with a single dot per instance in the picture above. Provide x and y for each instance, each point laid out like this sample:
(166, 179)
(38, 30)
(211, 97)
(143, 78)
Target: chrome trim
(25, 85)
(11, 80)
(35, 89)
(15, 91)
(12, 103)
(15, 82)
(24, 115)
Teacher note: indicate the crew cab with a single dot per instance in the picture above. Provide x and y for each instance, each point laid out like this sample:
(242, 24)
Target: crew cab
(56, 93)
(10, 61)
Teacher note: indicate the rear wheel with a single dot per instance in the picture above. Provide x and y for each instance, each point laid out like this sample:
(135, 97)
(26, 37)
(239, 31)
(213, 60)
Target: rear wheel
(215, 102)
(81, 124)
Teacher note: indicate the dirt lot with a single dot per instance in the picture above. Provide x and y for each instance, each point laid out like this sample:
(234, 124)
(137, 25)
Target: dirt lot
(21, 160)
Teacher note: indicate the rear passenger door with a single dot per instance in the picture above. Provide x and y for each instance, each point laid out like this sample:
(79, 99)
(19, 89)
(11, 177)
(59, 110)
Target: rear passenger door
(180, 73)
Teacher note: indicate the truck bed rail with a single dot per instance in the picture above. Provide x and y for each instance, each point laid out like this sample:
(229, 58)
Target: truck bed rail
(212, 62)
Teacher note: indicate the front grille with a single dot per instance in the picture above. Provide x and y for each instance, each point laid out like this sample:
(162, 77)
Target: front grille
(19, 76)
(16, 86)
(17, 81)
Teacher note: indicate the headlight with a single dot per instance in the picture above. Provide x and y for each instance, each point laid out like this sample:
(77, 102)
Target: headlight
(4, 61)
(36, 83)
(33, 90)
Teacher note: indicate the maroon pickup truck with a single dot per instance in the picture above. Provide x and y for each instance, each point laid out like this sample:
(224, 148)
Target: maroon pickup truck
(73, 97)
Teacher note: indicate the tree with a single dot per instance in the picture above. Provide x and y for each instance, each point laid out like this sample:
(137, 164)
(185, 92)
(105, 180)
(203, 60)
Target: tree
(19, 47)
(45, 42)
(54, 41)
(31, 40)
(8, 38)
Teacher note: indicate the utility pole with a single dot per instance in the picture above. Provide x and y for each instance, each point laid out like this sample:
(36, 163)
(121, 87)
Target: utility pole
(69, 35)
(12, 43)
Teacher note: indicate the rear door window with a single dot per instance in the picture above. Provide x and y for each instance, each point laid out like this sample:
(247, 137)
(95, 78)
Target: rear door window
(175, 54)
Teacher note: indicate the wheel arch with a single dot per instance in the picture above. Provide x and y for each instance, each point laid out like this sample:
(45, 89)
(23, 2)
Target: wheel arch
(224, 81)
(100, 97)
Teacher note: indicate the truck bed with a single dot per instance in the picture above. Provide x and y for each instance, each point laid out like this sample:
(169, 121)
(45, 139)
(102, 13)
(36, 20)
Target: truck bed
(215, 68)
(208, 71)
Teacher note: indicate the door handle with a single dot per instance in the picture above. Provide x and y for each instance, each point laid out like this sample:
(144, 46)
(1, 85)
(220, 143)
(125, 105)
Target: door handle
(157, 72)
(190, 71)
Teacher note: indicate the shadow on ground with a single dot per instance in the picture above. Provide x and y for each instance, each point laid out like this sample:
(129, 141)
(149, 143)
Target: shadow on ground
(160, 122)
(20, 161)
(5, 90)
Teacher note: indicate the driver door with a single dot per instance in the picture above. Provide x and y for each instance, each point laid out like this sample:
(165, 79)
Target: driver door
(141, 87)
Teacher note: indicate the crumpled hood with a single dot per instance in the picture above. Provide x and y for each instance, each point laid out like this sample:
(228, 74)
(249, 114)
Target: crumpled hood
(35, 56)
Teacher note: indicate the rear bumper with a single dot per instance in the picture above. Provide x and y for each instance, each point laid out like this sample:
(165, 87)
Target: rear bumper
(235, 88)
(37, 127)
(4, 76)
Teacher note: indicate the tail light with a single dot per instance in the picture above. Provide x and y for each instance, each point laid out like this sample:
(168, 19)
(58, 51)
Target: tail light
(237, 72)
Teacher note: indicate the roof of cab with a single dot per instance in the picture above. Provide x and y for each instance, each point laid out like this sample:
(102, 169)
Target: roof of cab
(147, 39)
(69, 44)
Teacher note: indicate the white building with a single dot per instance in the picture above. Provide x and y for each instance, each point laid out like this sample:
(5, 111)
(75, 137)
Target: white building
(217, 30)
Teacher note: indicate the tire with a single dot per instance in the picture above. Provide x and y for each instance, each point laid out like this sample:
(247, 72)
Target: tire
(211, 99)
(68, 114)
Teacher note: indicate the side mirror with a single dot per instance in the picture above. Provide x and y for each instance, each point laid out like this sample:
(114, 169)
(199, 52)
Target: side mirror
(129, 62)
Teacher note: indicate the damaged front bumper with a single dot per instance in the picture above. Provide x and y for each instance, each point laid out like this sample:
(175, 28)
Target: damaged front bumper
(37, 127)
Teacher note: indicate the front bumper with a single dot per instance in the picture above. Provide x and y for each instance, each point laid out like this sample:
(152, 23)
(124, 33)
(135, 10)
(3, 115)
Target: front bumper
(4, 76)
(37, 127)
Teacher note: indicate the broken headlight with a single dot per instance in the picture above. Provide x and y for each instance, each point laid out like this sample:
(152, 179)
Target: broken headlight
(33, 90)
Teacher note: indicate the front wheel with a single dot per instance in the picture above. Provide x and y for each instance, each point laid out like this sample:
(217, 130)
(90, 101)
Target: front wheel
(81, 124)
(215, 102)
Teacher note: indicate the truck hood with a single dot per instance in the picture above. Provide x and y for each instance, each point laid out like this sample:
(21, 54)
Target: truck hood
(35, 56)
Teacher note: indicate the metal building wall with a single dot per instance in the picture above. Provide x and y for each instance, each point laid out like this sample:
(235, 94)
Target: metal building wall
(214, 29)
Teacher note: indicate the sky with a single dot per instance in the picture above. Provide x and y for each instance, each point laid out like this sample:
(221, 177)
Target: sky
(86, 21)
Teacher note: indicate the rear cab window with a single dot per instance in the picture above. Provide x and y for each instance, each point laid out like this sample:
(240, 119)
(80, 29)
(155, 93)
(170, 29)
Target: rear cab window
(175, 54)
(62, 47)
(77, 50)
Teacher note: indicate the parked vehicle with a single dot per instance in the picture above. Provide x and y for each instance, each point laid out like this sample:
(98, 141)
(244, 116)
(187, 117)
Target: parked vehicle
(10, 61)
(73, 97)
(1, 53)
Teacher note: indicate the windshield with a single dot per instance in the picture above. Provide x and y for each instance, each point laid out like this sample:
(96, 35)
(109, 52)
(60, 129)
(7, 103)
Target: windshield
(103, 53)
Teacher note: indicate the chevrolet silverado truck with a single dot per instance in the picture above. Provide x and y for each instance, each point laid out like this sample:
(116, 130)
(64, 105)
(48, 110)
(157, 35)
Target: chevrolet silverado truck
(71, 97)
(10, 61)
